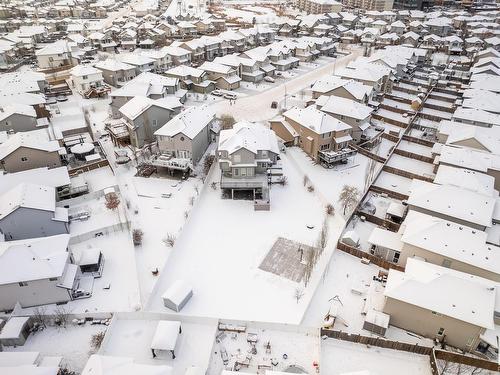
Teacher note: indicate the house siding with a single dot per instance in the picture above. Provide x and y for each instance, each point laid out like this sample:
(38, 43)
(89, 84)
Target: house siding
(35, 159)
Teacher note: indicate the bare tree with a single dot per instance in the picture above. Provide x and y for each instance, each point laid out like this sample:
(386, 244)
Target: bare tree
(169, 240)
(369, 174)
(207, 164)
(112, 203)
(227, 121)
(349, 196)
(298, 294)
(96, 340)
(61, 316)
(40, 317)
(137, 235)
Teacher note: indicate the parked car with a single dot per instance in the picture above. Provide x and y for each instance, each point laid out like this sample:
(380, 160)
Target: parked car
(230, 96)
(269, 79)
(217, 93)
(61, 98)
(274, 104)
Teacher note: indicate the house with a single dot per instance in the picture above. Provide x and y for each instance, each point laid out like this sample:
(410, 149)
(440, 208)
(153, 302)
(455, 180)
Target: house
(225, 77)
(116, 73)
(410, 38)
(248, 69)
(245, 153)
(441, 303)
(448, 244)
(192, 78)
(142, 63)
(16, 117)
(319, 6)
(23, 151)
(352, 113)
(452, 203)
(29, 211)
(85, 77)
(365, 75)
(316, 131)
(178, 55)
(345, 88)
(476, 116)
(144, 116)
(54, 55)
(36, 272)
(187, 135)
(146, 84)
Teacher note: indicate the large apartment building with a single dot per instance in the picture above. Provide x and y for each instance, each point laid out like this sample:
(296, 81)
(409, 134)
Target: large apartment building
(319, 6)
(379, 5)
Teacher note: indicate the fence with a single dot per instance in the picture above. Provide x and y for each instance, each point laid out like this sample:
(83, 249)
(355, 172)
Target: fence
(377, 341)
(124, 225)
(419, 141)
(412, 155)
(390, 121)
(88, 167)
(465, 360)
(367, 153)
(402, 173)
(363, 254)
(390, 193)
(392, 226)
(390, 137)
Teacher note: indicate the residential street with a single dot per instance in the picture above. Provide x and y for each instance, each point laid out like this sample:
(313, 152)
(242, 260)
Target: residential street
(258, 106)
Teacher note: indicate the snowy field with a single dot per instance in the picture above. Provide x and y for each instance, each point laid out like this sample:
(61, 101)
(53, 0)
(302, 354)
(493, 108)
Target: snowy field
(329, 182)
(71, 343)
(339, 357)
(224, 242)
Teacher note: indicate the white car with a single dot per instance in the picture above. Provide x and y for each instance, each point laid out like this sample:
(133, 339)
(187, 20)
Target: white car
(230, 96)
(269, 79)
(217, 93)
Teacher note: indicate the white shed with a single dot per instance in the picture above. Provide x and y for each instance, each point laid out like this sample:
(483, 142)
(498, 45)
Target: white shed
(351, 238)
(15, 331)
(177, 295)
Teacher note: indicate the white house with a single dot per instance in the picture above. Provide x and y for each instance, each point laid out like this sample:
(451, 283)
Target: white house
(85, 77)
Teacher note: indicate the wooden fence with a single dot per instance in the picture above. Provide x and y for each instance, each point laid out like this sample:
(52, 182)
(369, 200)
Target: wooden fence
(390, 193)
(367, 153)
(377, 341)
(466, 360)
(419, 141)
(363, 254)
(390, 121)
(390, 137)
(88, 167)
(390, 225)
(403, 173)
(412, 155)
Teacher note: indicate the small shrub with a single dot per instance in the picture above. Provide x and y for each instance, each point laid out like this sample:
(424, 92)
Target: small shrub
(305, 180)
(310, 188)
(213, 185)
(186, 214)
(137, 235)
(207, 164)
(330, 210)
(191, 201)
(96, 340)
(283, 181)
(169, 240)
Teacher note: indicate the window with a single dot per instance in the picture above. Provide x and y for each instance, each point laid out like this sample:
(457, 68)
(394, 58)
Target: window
(325, 147)
(53, 279)
(155, 123)
(182, 139)
(23, 283)
(236, 171)
(395, 259)
(440, 332)
(24, 158)
(264, 153)
(85, 77)
(237, 158)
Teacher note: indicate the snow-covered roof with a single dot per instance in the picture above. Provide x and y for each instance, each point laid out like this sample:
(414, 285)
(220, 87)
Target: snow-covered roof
(345, 107)
(84, 70)
(316, 120)
(457, 132)
(476, 115)
(138, 105)
(111, 365)
(16, 108)
(113, 65)
(453, 202)
(33, 259)
(18, 140)
(355, 88)
(189, 122)
(450, 240)
(253, 137)
(14, 327)
(481, 99)
(27, 195)
(56, 48)
(385, 238)
(54, 177)
(445, 291)
(469, 158)
(184, 71)
(465, 178)
(178, 292)
(166, 334)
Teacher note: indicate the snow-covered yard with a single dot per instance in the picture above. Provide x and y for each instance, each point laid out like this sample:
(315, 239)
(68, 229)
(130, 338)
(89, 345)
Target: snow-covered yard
(329, 182)
(398, 184)
(224, 242)
(71, 343)
(339, 357)
(411, 165)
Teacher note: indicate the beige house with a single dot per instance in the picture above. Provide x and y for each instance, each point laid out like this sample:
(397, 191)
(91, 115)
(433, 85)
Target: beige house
(344, 88)
(314, 131)
(448, 244)
(440, 303)
(22, 152)
(225, 77)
